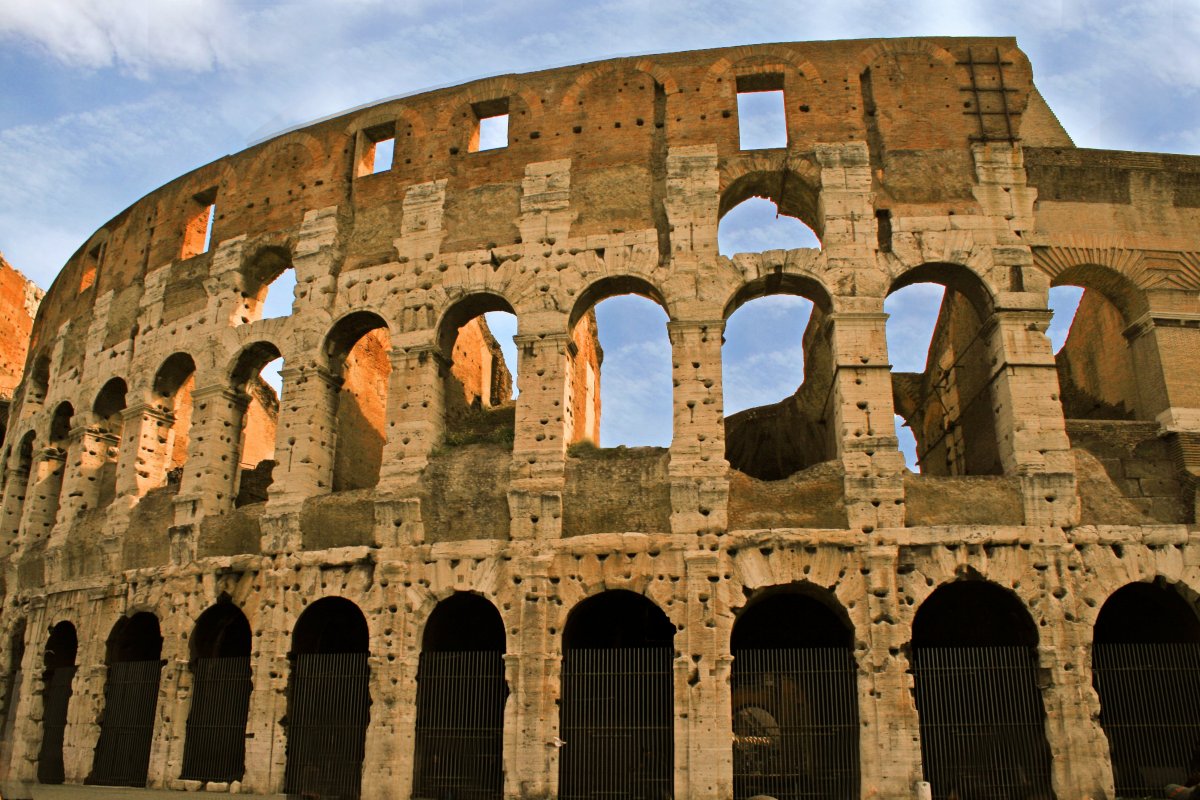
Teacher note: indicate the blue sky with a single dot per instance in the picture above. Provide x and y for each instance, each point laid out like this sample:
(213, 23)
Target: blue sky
(103, 102)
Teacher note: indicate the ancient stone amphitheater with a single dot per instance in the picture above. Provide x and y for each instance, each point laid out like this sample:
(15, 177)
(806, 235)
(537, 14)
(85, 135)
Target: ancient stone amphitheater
(395, 582)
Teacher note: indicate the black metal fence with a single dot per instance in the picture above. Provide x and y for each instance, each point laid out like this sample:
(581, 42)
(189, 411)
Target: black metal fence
(1150, 711)
(127, 726)
(328, 712)
(56, 698)
(617, 725)
(460, 726)
(215, 747)
(795, 724)
(982, 723)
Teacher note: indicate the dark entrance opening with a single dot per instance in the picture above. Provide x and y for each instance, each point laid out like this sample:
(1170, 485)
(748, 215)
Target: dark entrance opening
(59, 661)
(215, 747)
(1146, 670)
(329, 702)
(795, 701)
(617, 712)
(460, 702)
(130, 699)
(975, 681)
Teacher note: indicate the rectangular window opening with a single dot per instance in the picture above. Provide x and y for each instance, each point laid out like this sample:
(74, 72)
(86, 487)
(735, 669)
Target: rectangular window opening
(91, 265)
(491, 125)
(377, 150)
(762, 118)
(197, 235)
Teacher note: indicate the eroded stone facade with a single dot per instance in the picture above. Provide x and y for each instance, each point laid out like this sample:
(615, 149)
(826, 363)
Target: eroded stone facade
(143, 442)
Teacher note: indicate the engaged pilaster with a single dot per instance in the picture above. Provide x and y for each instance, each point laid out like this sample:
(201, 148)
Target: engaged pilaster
(698, 470)
(540, 441)
(209, 479)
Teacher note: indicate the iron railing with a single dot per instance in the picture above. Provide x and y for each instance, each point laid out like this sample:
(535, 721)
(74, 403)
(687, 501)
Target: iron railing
(1150, 711)
(460, 726)
(329, 708)
(215, 747)
(127, 725)
(982, 723)
(617, 725)
(56, 698)
(795, 724)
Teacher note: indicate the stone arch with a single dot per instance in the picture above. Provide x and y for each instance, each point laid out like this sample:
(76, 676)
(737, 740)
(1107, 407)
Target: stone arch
(108, 412)
(12, 678)
(59, 432)
(461, 696)
(794, 694)
(37, 385)
(756, 58)
(358, 349)
(524, 108)
(256, 418)
(599, 290)
(618, 643)
(58, 661)
(977, 691)
(477, 384)
(792, 183)
(329, 699)
(905, 45)
(260, 269)
(171, 394)
(215, 742)
(134, 659)
(579, 86)
(949, 406)
(1146, 673)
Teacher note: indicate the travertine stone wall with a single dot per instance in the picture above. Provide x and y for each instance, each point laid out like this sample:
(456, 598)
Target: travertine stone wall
(614, 181)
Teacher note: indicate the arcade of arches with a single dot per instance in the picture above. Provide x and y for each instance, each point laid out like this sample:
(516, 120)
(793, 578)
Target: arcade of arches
(330, 509)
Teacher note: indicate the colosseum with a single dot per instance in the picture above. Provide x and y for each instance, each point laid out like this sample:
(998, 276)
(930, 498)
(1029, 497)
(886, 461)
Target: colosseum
(393, 580)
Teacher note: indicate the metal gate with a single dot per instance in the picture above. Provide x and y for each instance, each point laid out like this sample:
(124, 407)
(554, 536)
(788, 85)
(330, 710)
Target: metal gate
(215, 747)
(460, 726)
(1150, 711)
(56, 697)
(982, 722)
(127, 727)
(328, 711)
(617, 725)
(795, 724)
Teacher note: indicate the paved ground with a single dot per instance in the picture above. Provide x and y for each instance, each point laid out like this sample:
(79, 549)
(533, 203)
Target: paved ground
(114, 793)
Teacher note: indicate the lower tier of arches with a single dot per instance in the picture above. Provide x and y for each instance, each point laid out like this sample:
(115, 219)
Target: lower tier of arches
(987, 661)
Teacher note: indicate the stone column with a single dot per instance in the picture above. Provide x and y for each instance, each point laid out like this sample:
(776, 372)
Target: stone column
(533, 670)
(24, 718)
(170, 715)
(539, 447)
(863, 419)
(87, 453)
(41, 498)
(698, 470)
(889, 729)
(704, 748)
(266, 740)
(388, 762)
(416, 423)
(1030, 431)
(10, 510)
(305, 437)
(209, 478)
(145, 453)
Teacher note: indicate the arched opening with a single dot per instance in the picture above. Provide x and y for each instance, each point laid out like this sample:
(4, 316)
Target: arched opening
(617, 713)
(57, 677)
(268, 286)
(619, 330)
(109, 410)
(766, 437)
(359, 352)
(975, 681)
(1146, 670)
(479, 384)
(173, 386)
(215, 746)
(460, 702)
(329, 701)
(259, 419)
(130, 699)
(795, 698)
(16, 486)
(941, 373)
(1097, 375)
(45, 484)
(756, 225)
